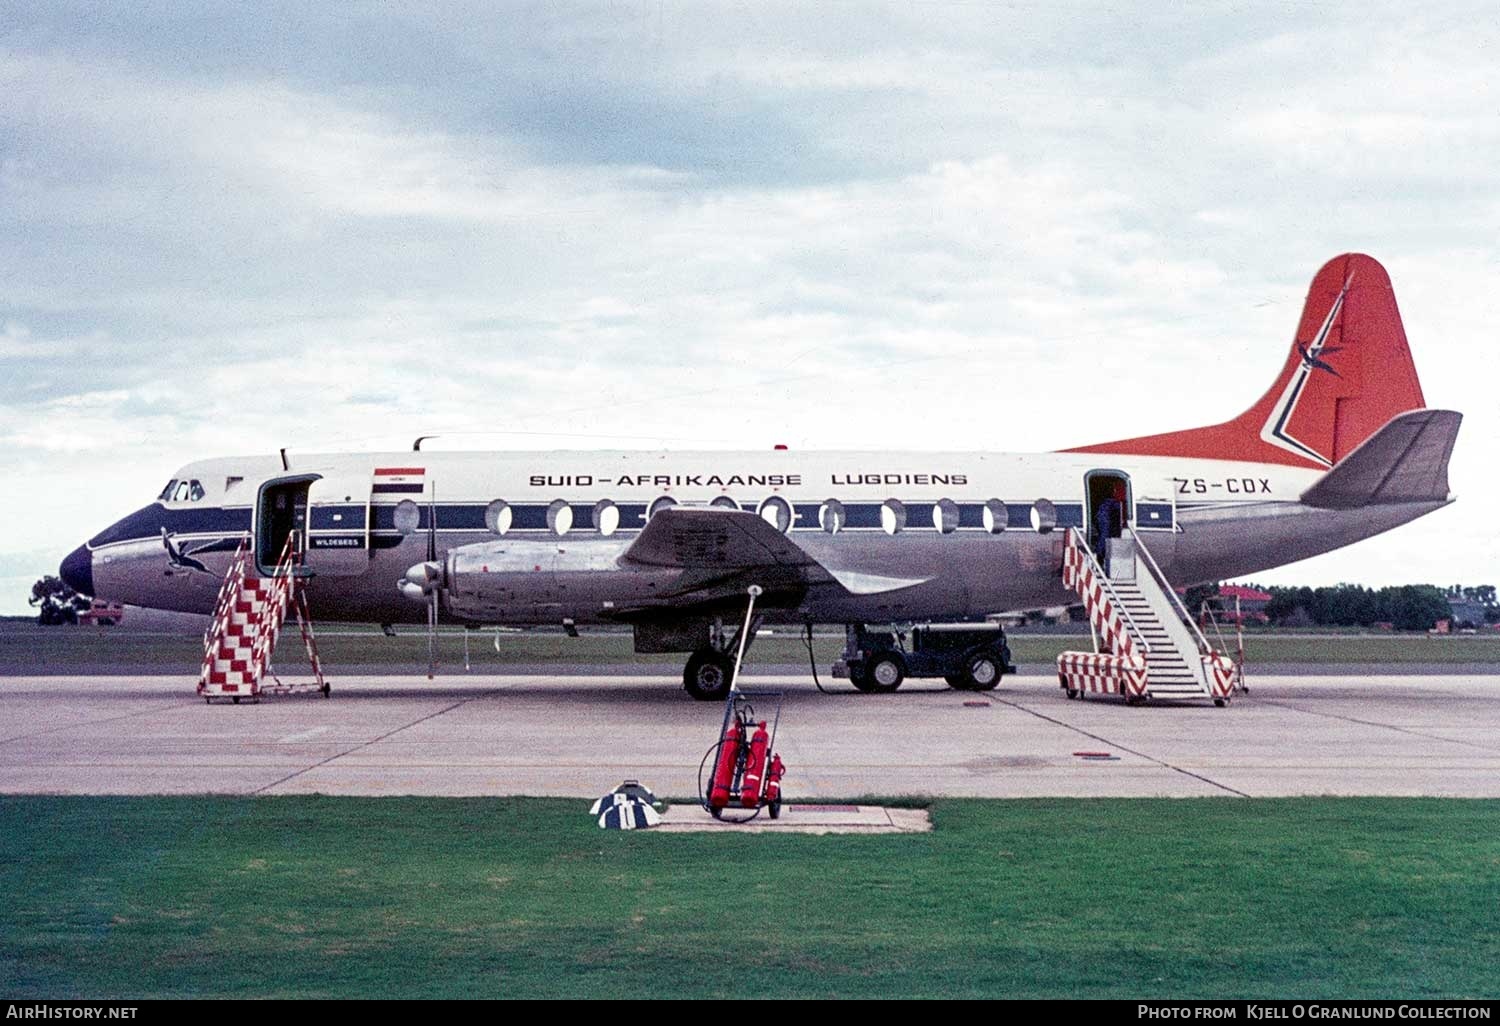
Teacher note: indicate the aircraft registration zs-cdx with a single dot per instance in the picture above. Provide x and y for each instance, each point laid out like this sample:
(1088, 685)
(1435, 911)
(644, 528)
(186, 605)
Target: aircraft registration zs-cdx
(1342, 447)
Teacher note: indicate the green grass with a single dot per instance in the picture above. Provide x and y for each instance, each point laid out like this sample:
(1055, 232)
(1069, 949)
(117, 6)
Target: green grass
(26, 648)
(301, 897)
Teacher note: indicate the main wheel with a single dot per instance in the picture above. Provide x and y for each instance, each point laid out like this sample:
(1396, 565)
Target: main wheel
(885, 674)
(982, 671)
(708, 675)
(860, 678)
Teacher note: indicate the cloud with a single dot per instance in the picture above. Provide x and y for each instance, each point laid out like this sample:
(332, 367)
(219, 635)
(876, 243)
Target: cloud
(658, 225)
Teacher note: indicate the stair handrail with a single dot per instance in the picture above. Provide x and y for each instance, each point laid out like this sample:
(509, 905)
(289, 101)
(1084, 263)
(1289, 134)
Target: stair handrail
(225, 598)
(1140, 636)
(1204, 648)
(1239, 652)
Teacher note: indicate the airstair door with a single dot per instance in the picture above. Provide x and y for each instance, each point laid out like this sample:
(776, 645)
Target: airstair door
(338, 524)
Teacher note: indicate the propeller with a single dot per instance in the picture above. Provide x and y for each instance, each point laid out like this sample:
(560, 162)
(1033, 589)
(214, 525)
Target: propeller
(436, 579)
(424, 583)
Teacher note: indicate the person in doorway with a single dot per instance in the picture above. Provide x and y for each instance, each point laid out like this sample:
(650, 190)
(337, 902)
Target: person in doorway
(1109, 519)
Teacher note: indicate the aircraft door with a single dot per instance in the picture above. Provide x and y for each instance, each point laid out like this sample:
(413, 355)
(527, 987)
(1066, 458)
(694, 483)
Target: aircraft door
(1103, 487)
(280, 514)
(338, 524)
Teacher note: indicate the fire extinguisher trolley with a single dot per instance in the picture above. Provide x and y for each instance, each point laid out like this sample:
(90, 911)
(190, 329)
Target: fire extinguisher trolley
(743, 768)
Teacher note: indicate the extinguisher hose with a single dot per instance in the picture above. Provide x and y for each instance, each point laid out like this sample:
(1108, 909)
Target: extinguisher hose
(812, 660)
(702, 794)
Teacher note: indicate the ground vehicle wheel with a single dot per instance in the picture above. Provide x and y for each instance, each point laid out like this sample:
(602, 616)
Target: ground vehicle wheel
(859, 678)
(775, 809)
(1074, 694)
(982, 671)
(886, 674)
(708, 675)
(957, 681)
(1220, 702)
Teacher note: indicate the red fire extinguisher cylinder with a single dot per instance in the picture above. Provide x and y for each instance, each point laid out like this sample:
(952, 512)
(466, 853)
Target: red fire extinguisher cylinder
(755, 767)
(773, 780)
(723, 781)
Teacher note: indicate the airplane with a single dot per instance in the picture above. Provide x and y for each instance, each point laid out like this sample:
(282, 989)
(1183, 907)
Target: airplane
(1341, 447)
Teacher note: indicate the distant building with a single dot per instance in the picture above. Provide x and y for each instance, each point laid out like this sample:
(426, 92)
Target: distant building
(1466, 612)
(1252, 602)
(102, 614)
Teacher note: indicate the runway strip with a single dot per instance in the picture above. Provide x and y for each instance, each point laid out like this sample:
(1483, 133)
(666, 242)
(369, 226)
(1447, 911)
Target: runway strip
(552, 735)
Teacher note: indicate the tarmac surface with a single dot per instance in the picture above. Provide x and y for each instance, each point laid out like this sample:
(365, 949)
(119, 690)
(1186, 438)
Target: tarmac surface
(574, 736)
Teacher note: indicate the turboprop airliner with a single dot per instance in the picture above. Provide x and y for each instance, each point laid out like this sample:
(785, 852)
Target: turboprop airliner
(1341, 447)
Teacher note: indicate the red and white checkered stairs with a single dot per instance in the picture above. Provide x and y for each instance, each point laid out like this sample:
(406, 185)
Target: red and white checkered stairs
(1146, 644)
(242, 635)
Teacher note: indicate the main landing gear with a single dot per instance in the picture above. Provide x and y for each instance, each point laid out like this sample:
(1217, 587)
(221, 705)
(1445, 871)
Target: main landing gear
(709, 674)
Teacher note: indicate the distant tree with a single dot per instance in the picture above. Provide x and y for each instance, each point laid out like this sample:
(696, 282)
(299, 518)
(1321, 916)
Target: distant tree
(1297, 616)
(57, 603)
(1416, 607)
(1198, 594)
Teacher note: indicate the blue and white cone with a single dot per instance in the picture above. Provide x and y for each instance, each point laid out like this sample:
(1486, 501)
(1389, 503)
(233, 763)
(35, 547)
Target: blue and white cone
(631, 790)
(628, 815)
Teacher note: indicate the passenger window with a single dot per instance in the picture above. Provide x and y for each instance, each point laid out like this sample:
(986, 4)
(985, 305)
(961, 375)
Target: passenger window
(892, 516)
(606, 517)
(1043, 516)
(831, 516)
(408, 517)
(559, 517)
(995, 516)
(776, 512)
(497, 516)
(945, 516)
(658, 504)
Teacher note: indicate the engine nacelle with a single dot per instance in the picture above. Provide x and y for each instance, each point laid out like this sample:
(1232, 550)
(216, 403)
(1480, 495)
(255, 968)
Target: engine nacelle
(529, 581)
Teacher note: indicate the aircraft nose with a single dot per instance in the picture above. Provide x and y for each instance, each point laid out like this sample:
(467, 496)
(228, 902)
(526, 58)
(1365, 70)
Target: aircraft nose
(77, 571)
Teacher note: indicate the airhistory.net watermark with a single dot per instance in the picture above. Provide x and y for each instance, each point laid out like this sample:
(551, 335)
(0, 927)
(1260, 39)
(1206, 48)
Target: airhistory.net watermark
(34, 1010)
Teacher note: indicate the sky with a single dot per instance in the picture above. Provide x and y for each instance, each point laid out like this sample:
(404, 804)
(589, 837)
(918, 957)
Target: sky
(229, 228)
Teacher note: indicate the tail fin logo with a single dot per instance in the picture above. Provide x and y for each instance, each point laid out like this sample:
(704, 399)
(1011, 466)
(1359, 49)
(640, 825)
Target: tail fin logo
(1275, 430)
(1311, 362)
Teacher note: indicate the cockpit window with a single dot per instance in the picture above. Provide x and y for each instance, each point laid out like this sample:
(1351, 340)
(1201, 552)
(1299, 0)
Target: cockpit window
(185, 490)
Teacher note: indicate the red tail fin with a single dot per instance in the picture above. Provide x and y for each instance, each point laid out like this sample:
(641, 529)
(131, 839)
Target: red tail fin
(1348, 373)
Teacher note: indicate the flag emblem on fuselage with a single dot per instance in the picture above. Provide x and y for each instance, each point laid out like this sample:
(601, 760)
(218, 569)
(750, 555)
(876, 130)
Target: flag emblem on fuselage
(399, 480)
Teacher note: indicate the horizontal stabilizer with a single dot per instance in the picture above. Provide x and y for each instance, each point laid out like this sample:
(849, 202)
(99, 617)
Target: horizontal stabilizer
(1405, 461)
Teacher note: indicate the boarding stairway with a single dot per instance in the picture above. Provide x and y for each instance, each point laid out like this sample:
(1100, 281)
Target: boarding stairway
(247, 621)
(1146, 644)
